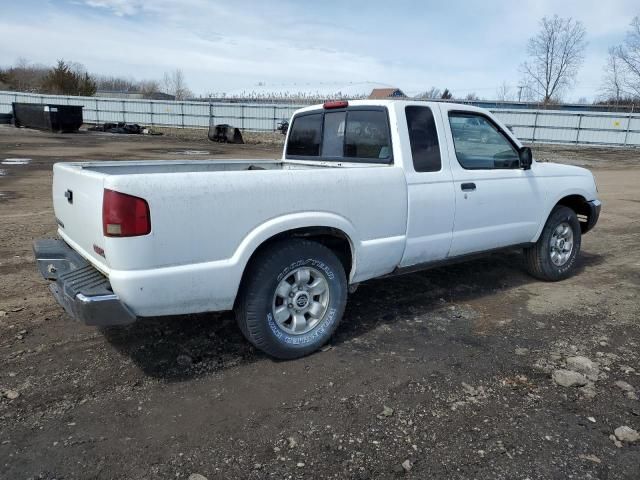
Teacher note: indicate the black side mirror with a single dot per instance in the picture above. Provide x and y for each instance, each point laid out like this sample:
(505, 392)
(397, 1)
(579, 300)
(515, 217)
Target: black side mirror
(526, 158)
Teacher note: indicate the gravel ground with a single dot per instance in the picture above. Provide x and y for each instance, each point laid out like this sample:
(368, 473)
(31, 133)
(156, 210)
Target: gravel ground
(474, 371)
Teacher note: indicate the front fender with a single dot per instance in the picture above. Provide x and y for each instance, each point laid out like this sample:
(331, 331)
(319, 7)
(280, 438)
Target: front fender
(555, 200)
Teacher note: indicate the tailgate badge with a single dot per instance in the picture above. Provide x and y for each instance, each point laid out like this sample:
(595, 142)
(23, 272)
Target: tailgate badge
(69, 196)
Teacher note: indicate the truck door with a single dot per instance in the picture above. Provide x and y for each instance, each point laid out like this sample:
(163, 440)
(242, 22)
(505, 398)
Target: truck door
(431, 202)
(497, 202)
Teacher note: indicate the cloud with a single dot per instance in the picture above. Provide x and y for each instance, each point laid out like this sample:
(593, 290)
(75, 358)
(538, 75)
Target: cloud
(226, 46)
(118, 7)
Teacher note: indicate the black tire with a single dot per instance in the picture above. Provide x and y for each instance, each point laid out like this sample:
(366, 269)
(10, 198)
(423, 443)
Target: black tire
(255, 304)
(538, 257)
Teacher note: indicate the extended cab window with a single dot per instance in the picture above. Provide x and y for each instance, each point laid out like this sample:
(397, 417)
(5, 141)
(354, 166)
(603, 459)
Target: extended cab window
(367, 135)
(352, 135)
(304, 139)
(423, 137)
(480, 144)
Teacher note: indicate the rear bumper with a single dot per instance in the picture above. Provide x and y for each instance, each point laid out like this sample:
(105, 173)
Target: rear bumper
(82, 290)
(594, 213)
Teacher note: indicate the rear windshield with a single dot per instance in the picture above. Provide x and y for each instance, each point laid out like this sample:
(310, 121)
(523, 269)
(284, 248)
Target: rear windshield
(357, 134)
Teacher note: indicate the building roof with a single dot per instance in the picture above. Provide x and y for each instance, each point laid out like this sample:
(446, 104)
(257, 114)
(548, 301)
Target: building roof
(379, 93)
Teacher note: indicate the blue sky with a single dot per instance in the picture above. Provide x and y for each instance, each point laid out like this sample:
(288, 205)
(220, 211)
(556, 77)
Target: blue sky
(467, 46)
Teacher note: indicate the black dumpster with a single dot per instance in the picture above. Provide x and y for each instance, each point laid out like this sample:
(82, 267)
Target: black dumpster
(54, 118)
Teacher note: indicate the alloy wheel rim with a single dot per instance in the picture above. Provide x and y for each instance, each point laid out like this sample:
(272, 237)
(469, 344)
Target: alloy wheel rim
(301, 300)
(561, 244)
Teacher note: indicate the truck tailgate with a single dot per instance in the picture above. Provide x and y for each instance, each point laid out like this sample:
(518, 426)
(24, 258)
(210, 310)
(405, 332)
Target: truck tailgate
(77, 202)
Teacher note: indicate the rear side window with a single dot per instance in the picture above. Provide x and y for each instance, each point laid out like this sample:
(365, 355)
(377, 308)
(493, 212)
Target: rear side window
(423, 137)
(304, 139)
(367, 135)
(352, 135)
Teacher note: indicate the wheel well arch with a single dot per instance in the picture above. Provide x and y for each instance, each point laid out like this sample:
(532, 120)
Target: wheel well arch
(578, 204)
(333, 238)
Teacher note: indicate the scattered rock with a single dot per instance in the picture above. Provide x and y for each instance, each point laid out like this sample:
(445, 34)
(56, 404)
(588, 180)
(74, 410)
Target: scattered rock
(626, 434)
(184, 360)
(615, 441)
(472, 391)
(407, 465)
(569, 378)
(621, 384)
(300, 464)
(197, 476)
(3, 313)
(292, 442)
(584, 365)
(589, 390)
(591, 419)
(591, 458)
(632, 395)
(522, 351)
(11, 394)
(386, 411)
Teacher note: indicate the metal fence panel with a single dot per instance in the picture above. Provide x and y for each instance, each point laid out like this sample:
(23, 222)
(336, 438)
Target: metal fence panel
(557, 126)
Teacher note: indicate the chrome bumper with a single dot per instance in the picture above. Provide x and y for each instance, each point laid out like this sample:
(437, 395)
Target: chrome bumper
(82, 290)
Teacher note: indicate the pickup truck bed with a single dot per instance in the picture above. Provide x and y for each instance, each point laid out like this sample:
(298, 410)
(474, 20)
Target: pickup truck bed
(204, 248)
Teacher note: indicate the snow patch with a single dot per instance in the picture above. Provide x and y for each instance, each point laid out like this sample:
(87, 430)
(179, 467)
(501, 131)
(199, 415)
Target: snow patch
(16, 161)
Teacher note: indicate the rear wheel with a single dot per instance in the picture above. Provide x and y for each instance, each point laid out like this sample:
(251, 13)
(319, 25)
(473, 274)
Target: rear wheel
(554, 255)
(292, 298)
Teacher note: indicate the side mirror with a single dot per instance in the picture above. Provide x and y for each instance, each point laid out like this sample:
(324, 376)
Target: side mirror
(526, 158)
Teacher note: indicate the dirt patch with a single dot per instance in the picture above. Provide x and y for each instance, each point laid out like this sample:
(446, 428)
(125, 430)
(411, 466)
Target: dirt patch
(448, 372)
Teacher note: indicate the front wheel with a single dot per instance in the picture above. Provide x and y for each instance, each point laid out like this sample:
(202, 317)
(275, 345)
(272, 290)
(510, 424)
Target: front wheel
(553, 257)
(292, 298)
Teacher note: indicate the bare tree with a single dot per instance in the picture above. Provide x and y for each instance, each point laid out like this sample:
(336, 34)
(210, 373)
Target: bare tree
(615, 77)
(149, 87)
(503, 93)
(555, 56)
(24, 76)
(628, 55)
(174, 84)
(432, 93)
(472, 97)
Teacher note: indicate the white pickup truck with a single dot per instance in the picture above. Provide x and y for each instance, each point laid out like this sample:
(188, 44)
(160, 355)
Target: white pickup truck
(364, 189)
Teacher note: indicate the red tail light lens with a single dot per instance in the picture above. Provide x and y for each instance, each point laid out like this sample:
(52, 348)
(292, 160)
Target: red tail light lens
(124, 215)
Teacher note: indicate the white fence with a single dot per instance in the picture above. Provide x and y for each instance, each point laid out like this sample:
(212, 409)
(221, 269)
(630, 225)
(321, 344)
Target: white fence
(535, 126)
(248, 116)
(581, 128)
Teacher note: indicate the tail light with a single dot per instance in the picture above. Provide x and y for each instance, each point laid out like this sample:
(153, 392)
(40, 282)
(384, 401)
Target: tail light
(335, 104)
(124, 215)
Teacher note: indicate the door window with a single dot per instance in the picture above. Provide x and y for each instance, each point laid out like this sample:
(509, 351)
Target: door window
(480, 144)
(423, 137)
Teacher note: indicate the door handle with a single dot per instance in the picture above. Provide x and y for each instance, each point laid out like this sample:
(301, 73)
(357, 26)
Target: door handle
(467, 187)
